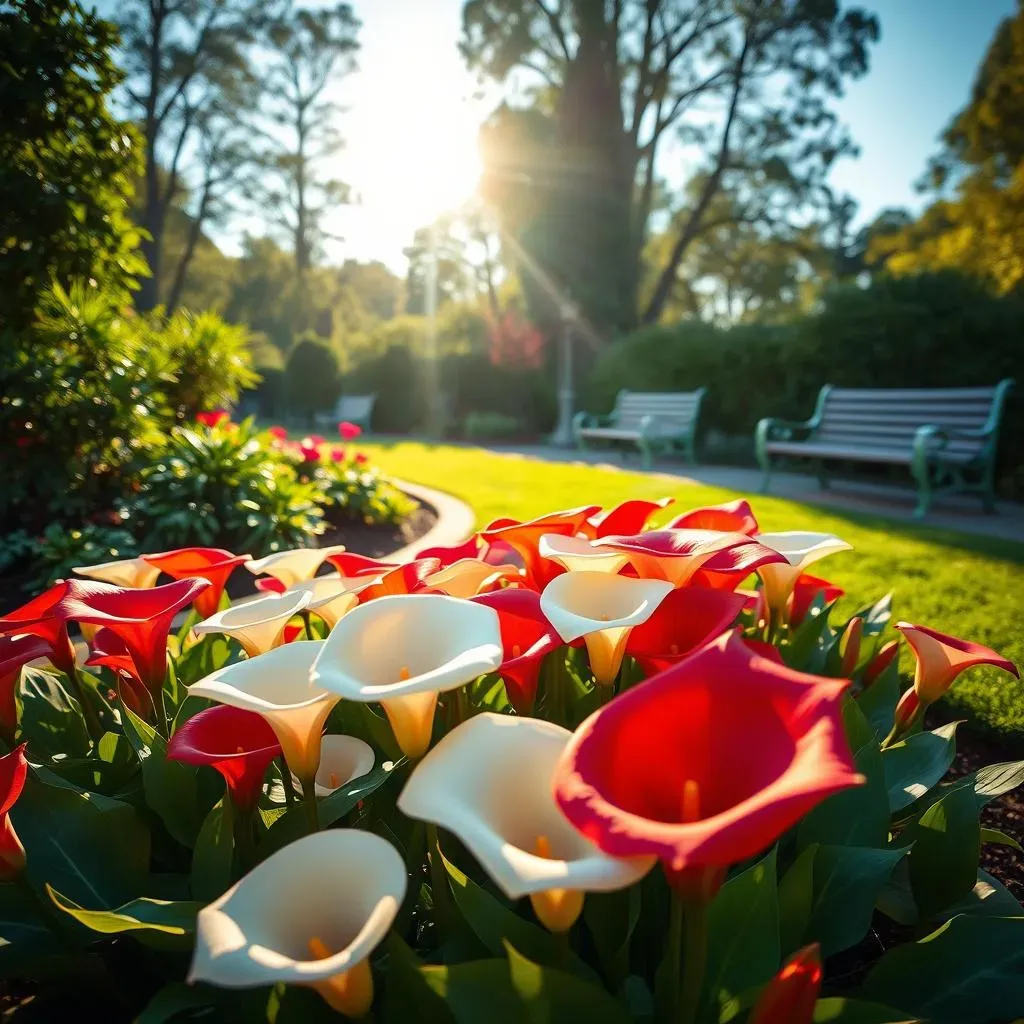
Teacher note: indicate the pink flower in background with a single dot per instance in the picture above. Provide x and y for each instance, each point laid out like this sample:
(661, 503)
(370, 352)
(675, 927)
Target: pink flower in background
(362, 458)
(349, 431)
(337, 455)
(213, 418)
(279, 434)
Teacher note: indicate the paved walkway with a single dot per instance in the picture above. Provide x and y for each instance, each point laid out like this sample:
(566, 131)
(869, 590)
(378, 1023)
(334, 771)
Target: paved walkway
(891, 502)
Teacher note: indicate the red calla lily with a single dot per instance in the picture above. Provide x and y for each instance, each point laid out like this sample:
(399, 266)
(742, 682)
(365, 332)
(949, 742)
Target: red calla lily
(270, 584)
(212, 564)
(790, 996)
(44, 616)
(348, 563)
(524, 538)
(13, 771)
(707, 763)
(15, 653)
(764, 650)
(213, 418)
(805, 590)
(453, 553)
(526, 636)
(884, 657)
(730, 517)
(628, 518)
(141, 618)
(684, 621)
(108, 650)
(406, 579)
(239, 744)
(349, 431)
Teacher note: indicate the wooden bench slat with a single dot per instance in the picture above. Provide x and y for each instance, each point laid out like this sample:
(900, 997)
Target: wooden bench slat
(856, 453)
(906, 395)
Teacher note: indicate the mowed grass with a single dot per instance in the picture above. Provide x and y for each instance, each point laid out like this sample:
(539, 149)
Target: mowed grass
(970, 586)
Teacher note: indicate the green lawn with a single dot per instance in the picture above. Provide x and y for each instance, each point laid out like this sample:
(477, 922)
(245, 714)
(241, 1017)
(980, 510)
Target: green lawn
(970, 586)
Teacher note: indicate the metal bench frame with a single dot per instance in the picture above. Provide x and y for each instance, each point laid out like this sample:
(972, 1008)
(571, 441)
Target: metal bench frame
(933, 473)
(651, 437)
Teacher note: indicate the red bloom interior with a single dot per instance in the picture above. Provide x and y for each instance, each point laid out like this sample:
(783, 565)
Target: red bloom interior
(406, 579)
(805, 590)
(212, 564)
(732, 517)
(16, 652)
(348, 563)
(45, 617)
(626, 518)
(453, 553)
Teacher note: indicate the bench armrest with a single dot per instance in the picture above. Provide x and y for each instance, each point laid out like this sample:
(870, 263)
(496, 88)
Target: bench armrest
(589, 419)
(774, 429)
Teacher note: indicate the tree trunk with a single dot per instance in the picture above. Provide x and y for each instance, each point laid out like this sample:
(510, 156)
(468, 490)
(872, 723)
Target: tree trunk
(195, 232)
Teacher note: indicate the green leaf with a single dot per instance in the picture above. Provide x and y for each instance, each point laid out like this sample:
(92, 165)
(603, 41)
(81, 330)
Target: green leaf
(796, 895)
(944, 857)
(611, 918)
(858, 816)
(406, 994)
(809, 646)
(170, 919)
(914, 765)
(969, 971)
(986, 783)
(24, 935)
(172, 789)
(989, 896)
(743, 933)
(175, 999)
(994, 836)
(853, 1011)
(847, 882)
(49, 718)
(212, 857)
(879, 700)
(876, 616)
(480, 990)
(93, 848)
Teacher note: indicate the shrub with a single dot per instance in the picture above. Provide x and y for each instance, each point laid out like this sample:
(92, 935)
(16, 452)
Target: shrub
(487, 425)
(311, 375)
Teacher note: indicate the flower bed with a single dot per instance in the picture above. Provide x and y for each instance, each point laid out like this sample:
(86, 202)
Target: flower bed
(573, 769)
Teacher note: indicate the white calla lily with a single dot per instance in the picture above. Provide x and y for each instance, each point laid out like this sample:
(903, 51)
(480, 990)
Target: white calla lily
(333, 596)
(292, 920)
(276, 685)
(602, 608)
(578, 554)
(257, 625)
(465, 577)
(800, 549)
(489, 783)
(293, 566)
(403, 651)
(342, 760)
(125, 572)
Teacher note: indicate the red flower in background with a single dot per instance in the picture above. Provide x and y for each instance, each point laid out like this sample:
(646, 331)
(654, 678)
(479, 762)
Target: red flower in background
(805, 590)
(279, 434)
(684, 621)
(406, 579)
(337, 455)
(362, 458)
(214, 565)
(790, 996)
(730, 517)
(667, 768)
(628, 518)
(239, 744)
(15, 653)
(526, 636)
(524, 538)
(44, 616)
(13, 771)
(213, 418)
(348, 563)
(349, 431)
(883, 658)
(516, 342)
(270, 584)
(453, 553)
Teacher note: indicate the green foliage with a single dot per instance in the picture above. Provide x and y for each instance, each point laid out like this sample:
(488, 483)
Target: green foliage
(311, 375)
(59, 550)
(66, 163)
(491, 426)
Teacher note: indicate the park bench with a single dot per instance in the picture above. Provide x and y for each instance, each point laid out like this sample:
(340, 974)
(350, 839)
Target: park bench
(653, 421)
(947, 437)
(355, 409)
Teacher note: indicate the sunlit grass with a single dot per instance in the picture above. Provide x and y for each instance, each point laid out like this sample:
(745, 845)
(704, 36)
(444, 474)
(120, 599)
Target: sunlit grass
(970, 586)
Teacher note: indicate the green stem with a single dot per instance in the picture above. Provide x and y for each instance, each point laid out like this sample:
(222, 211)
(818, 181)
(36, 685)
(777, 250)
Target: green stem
(462, 709)
(309, 799)
(443, 911)
(241, 830)
(674, 954)
(92, 720)
(695, 957)
(307, 623)
(286, 782)
(563, 951)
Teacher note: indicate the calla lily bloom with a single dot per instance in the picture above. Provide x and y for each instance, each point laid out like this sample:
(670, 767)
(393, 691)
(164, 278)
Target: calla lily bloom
(885, 656)
(276, 685)
(108, 650)
(13, 772)
(15, 653)
(684, 621)
(257, 625)
(468, 577)
(805, 590)
(525, 537)
(447, 555)
(577, 553)
(406, 579)
(310, 914)
(331, 596)
(764, 650)
(799, 550)
(212, 564)
(44, 616)
(627, 518)
(489, 783)
(293, 566)
(349, 431)
(602, 609)
(239, 744)
(348, 563)
(667, 769)
(403, 651)
(125, 572)
(730, 517)
(790, 996)
(342, 760)
(941, 658)
(269, 585)
(141, 618)
(213, 418)
(526, 636)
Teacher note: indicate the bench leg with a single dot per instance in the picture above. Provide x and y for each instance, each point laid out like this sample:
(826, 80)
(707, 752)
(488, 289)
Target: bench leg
(645, 451)
(765, 461)
(924, 489)
(691, 455)
(823, 481)
(988, 490)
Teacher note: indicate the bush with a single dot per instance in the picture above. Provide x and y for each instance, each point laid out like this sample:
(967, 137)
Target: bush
(484, 426)
(311, 375)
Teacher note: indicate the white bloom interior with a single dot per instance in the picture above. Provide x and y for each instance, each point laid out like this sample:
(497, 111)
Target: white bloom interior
(293, 566)
(125, 572)
(257, 625)
(578, 553)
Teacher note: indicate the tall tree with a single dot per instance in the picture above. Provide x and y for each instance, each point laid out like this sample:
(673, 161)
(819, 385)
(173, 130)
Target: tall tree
(312, 49)
(735, 84)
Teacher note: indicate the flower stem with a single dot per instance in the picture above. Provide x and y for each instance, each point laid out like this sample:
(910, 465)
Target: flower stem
(443, 909)
(286, 782)
(674, 954)
(307, 623)
(462, 709)
(309, 799)
(241, 830)
(695, 956)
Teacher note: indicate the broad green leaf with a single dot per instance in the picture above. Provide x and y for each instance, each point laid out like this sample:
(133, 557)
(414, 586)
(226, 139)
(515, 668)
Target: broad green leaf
(876, 616)
(172, 789)
(969, 971)
(611, 918)
(809, 646)
(914, 765)
(24, 934)
(989, 896)
(743, 933)
(178, 998)
(986, 783)
(92, 848)
(212, 857)
(858, 816)
(171, 920)
(944, 857)
(406, 995)
(49, 718)
(994, 836)
(796, 896)
(879, 700)
(475, 992)
(853, 1011)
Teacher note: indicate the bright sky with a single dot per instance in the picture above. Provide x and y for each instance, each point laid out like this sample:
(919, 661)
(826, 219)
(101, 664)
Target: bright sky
(412, 120)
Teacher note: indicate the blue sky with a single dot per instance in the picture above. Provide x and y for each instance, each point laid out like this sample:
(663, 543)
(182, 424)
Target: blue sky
(411, 118)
